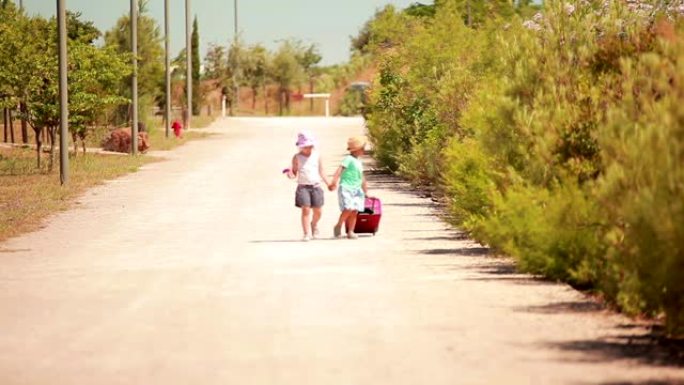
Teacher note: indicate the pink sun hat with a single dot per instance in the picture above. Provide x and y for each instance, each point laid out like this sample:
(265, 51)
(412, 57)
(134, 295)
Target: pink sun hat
(305, 139)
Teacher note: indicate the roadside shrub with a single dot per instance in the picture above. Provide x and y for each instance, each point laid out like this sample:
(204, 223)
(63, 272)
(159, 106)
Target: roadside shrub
(550, 232)
(642, 189)
(557, 140)
(468, 183)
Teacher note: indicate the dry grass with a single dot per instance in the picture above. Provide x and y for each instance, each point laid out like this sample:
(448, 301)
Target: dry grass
(29, 195)
(198, 122)
(160, 142)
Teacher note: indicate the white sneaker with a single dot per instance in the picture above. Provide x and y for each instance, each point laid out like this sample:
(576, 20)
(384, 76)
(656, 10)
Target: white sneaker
(306, 238)
(316, 234)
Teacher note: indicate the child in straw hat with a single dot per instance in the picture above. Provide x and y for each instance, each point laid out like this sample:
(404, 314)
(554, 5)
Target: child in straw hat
(352, 187)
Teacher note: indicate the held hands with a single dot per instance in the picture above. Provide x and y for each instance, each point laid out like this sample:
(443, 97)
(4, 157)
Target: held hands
(332, 186)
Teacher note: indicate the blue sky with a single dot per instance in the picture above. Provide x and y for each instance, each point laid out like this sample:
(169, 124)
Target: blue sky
(328, 23)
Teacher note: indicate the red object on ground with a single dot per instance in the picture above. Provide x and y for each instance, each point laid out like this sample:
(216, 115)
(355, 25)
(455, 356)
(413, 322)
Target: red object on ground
(368, 222)
(297, 97)
(119, 140)
(177, 129)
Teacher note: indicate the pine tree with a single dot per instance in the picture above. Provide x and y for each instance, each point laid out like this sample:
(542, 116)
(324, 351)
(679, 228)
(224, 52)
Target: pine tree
(196, 94)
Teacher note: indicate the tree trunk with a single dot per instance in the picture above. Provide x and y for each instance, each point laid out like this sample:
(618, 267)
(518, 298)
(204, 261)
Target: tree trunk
(51, 135)
(254, 96)
(24, 124)
(287, 101)
(11, 124)
(74, 137)
(470, 15)
(266, 96)
(39, 144)
(83, 143)
(4, 122)
(280, 102)
(311, 90)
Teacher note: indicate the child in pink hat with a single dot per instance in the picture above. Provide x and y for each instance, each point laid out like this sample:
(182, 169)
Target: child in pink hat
(307, 167)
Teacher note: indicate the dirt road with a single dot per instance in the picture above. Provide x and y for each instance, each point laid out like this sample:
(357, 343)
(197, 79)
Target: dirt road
(191, 272)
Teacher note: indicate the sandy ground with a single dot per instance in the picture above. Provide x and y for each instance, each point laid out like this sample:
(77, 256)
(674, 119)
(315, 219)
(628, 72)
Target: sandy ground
(191, 272)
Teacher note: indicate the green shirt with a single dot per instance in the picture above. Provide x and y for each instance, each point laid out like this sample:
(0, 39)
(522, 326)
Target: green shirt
(352, 176)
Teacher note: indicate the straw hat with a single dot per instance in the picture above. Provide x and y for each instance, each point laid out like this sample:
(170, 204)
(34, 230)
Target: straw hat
(356, 143)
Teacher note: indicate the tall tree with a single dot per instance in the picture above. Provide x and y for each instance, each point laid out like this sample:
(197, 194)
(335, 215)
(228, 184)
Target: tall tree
(236, 53)
(287, 72)
(216, 62)
(150, 58)
(80, 30)
(10, 43)
(95, 76)
(476, 12)
(196, 90)
(308, 58)
(255, 70)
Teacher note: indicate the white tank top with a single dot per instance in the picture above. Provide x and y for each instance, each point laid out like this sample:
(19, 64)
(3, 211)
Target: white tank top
(309, 169)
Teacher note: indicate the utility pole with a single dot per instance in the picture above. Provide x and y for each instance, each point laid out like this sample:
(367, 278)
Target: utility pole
(22, 106)
(167, 37)
(237, 58)
(63, 95)
(188, 62)
(134, 78)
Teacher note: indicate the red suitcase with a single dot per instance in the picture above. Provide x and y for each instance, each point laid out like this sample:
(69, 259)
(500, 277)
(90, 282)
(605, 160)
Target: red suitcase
(368, 221)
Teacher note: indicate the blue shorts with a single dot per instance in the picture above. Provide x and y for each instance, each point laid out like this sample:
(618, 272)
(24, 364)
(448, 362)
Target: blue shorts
(351, 198)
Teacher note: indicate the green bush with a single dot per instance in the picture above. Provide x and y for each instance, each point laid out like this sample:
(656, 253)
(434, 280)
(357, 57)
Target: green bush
(550, 232)
(468, 182)
(558, 141)
(642, 189)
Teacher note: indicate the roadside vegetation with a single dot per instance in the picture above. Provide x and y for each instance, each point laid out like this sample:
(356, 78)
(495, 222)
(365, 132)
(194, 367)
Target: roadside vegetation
(273, 82)
(99, 93)
(29, 195)
(555, 134)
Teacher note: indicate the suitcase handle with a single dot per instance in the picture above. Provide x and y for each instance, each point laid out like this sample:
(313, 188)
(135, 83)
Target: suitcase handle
(374, 200)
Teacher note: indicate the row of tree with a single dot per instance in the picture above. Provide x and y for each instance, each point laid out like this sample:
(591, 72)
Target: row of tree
(29, 75)
(293, 65)
(99, 74)
(556, 135)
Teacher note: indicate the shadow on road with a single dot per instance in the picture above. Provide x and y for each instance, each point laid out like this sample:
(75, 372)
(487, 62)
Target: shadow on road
(649, 382)
(463, 251)
(587, 306)
(294, 240)
(649, 348)
(457, 237)
(635, 343)
(342, 239)
(410, 205)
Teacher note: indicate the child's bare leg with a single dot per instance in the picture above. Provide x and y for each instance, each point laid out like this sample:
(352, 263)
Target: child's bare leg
(351, 223)
(306, 220)
(343, 217)
(317, 211)
(340, 222)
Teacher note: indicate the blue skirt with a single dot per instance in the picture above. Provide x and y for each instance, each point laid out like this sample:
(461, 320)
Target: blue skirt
(351, 198)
